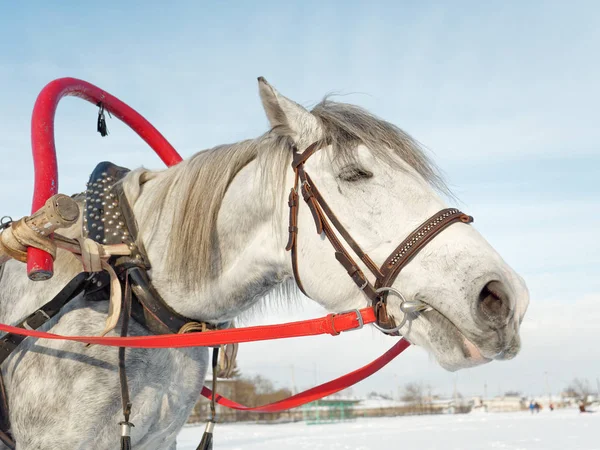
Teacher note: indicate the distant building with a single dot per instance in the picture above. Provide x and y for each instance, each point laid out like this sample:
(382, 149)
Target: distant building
(505, 403)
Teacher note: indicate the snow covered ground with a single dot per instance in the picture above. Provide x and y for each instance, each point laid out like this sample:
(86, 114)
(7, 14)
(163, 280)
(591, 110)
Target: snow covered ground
(558, 430)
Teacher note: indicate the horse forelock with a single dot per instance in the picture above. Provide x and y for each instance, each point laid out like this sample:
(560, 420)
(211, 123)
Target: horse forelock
(347, 126)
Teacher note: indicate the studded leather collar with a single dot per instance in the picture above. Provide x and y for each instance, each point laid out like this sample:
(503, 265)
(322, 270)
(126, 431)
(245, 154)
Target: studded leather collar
(108, 219)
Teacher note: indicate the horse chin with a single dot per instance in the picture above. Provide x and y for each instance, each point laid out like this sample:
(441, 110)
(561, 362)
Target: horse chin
(451, 349)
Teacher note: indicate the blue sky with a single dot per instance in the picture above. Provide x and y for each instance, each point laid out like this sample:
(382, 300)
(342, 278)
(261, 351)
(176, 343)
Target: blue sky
(504, 95)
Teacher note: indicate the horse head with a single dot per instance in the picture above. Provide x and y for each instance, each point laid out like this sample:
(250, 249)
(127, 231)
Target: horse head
(381, 187)
(216, 225)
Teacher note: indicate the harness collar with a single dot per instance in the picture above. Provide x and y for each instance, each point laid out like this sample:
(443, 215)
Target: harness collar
(109, 219)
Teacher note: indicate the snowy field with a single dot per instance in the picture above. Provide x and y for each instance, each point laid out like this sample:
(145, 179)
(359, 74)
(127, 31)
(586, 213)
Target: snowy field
(558, 430)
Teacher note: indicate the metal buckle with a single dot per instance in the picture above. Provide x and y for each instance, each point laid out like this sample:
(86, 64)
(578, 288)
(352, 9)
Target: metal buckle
(33, 316)
(359, 318)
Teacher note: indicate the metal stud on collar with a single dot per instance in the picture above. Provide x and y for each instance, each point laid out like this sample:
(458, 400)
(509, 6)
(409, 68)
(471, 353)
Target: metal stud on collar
(105, 217)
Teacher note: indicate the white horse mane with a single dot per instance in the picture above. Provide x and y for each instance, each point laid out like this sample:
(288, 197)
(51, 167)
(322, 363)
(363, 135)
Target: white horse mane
(202, 181)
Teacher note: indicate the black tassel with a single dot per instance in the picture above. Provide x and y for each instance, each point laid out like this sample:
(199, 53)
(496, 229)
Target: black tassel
(102, 120)
(207, 438)
(126, 435)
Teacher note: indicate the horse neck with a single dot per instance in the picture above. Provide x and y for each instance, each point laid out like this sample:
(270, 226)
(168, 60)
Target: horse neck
(248, 245)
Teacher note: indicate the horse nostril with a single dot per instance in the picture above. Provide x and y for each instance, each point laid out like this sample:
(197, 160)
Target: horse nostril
(494, 303)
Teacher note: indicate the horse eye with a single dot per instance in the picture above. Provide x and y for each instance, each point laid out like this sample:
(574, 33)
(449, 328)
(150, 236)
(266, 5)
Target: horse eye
(354, 173)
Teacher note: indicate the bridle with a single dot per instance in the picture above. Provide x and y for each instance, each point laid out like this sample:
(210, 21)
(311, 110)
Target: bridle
(385, 275)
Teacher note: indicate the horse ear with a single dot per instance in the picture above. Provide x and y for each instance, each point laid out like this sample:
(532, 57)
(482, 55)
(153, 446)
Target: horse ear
(287, 118)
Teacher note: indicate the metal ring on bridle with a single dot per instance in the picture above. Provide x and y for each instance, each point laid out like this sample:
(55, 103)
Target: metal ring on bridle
(404, 319)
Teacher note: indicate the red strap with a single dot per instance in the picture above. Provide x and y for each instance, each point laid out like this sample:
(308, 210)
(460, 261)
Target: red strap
(318, 392)
(331, 324)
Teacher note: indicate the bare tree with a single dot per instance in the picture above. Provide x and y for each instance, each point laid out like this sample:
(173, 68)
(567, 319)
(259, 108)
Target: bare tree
(413, 393)
(580, 388)
(419, 395)
(379, 395)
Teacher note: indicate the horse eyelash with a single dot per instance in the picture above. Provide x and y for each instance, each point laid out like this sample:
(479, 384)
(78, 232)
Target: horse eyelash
(354, 173)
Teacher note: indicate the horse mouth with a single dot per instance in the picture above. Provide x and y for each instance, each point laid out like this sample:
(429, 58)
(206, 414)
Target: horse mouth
(445, 336)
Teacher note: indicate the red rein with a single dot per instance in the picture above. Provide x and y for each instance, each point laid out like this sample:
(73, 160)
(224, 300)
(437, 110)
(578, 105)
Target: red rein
(40, 264)
(331, 324)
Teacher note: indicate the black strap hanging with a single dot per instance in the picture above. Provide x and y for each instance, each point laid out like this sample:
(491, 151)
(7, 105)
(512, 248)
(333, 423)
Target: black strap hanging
(101, 126)
(125, 424)
(207, 438)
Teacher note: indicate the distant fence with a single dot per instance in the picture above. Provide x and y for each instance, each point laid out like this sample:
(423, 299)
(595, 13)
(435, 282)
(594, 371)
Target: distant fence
(202, 412)
(412, 410)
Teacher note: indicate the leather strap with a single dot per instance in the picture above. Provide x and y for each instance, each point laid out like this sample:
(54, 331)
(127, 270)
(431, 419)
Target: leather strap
(301, 158)
(124, 385)
(341, 229)
(11, 340)
(410, 246)
(151, 311)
